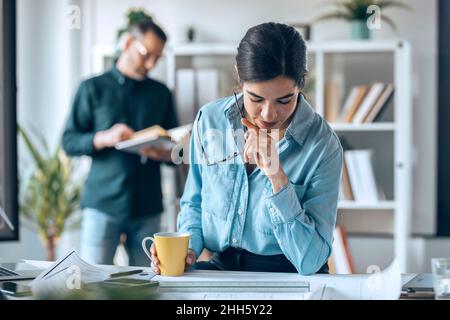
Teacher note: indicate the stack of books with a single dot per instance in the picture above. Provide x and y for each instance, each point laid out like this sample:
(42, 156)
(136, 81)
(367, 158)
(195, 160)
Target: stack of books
(365, 104)
(358, 179)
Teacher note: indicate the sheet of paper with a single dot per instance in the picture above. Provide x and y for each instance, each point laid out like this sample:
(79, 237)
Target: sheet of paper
(384, 285)
(66, 275)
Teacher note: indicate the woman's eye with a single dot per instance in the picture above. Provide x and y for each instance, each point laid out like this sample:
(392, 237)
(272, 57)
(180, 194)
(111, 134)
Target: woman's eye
(256, 101)
(284, 101)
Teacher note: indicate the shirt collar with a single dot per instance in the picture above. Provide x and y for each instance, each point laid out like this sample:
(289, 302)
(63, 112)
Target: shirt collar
(120, 77)
(298, 128)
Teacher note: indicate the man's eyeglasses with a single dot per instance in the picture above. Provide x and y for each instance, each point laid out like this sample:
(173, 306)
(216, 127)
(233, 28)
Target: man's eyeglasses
(229, 158)
(141, 49)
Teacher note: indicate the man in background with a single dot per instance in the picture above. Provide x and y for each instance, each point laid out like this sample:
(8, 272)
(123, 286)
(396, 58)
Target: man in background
(122, 194)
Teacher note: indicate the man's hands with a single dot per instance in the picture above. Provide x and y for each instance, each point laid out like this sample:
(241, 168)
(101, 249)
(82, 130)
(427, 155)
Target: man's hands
(157, 154)
(260, 149)
(109, 138)
(190, 259)
(120, 132)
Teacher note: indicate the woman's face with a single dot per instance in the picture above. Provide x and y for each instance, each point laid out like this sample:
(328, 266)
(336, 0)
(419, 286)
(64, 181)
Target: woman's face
(270, 104)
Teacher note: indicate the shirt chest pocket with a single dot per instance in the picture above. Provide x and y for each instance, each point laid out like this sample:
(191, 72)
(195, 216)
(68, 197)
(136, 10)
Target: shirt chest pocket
(218, 183)
(106, 117)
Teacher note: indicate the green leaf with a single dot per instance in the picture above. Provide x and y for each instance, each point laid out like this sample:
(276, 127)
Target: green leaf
(336, 16)
(357, 9)
(33, 150)
(393, 4)
(390, 22)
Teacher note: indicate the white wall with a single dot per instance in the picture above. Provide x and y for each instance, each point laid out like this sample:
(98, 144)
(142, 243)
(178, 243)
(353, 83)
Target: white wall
(45, 85)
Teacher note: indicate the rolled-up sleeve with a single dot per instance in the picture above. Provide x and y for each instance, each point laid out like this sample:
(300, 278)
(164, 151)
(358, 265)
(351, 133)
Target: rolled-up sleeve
(190, 216)
(304, 217)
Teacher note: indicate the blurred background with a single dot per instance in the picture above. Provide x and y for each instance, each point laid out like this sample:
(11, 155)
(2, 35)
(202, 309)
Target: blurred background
(399, 207)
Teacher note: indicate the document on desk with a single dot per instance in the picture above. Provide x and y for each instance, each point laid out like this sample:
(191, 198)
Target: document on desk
(65, 275)
(381, 285)
(229, 285)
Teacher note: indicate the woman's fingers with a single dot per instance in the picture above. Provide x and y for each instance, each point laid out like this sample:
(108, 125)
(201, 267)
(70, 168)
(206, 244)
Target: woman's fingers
(155, 269)
(153, 249)
(249, 125)
(190, 259)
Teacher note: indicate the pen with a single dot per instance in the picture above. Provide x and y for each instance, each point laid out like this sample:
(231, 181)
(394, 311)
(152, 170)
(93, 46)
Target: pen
(126, 273)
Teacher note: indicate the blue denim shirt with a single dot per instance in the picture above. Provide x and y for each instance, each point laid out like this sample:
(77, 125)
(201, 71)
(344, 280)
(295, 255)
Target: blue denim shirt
(224, 207)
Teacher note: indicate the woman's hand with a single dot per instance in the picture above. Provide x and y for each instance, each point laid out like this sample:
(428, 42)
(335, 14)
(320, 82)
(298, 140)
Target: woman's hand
(190, 259)
(260, 149)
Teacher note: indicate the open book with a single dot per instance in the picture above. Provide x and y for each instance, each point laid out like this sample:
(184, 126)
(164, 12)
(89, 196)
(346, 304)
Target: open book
(73, 278)
(154, 136)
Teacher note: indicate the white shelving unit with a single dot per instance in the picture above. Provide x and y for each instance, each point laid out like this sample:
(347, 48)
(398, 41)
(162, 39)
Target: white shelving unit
(390, 60)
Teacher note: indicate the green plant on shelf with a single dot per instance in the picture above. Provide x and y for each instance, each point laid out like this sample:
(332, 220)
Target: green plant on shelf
(357, 12)
(134, 16)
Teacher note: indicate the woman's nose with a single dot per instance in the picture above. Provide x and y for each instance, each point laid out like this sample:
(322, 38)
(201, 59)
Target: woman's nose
(268, 113)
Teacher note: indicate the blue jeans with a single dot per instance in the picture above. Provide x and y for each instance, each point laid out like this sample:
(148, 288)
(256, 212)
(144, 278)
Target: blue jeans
(100, 235)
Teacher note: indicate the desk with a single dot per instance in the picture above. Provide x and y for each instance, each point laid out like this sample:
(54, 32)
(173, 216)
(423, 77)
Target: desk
(326, 287)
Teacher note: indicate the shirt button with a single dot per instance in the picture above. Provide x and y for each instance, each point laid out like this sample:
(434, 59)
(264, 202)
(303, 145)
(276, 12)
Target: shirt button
(235, 240)
(121, 80)
(240, 212)
(273, 211)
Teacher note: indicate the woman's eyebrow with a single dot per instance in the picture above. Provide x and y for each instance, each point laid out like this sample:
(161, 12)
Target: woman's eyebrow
(281, 98)
(287, 96)
(254, 95)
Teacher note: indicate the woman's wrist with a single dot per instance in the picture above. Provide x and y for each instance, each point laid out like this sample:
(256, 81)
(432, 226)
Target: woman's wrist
(278, 181)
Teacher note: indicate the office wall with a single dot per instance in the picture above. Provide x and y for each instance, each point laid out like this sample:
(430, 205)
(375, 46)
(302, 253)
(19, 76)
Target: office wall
(228, 20)
(45, 85)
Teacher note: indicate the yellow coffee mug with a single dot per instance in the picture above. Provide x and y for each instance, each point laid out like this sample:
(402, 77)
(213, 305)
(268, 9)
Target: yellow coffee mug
(172, 249)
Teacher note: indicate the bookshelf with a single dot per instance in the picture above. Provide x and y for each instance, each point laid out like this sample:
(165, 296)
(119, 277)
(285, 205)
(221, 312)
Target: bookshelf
(347, 63)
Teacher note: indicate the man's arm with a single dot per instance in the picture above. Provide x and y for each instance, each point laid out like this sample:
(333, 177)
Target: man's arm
(78, 136)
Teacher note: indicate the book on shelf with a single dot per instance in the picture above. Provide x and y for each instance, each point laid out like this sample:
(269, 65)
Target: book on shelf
(341, 260)
(352, 103)
(332, 100)
(369, 101)
(207, 86)
(361, 175)
(346, 187)
(185, 95)
(348, 103)
(195, 88)
(381, 104)
(365, 104)
(155, 136)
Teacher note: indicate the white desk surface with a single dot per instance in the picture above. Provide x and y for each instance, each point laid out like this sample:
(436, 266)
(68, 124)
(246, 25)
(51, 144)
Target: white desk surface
(337, 286)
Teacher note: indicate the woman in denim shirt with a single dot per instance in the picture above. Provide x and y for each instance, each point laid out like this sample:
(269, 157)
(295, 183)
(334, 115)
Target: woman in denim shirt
(265, 169)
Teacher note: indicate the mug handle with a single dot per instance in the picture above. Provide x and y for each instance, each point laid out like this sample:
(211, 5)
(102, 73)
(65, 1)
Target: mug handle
(144, 246)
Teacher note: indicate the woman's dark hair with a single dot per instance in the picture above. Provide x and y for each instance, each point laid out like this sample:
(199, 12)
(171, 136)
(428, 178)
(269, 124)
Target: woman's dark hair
(142, 27)
(270, 50)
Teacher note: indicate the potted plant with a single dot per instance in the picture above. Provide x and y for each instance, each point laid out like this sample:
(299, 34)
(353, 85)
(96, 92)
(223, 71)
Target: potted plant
(49, 197)
(134, 16)
(357, 13)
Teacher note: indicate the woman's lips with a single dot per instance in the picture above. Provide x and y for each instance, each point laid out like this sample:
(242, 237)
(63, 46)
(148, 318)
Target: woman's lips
(267, 125)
